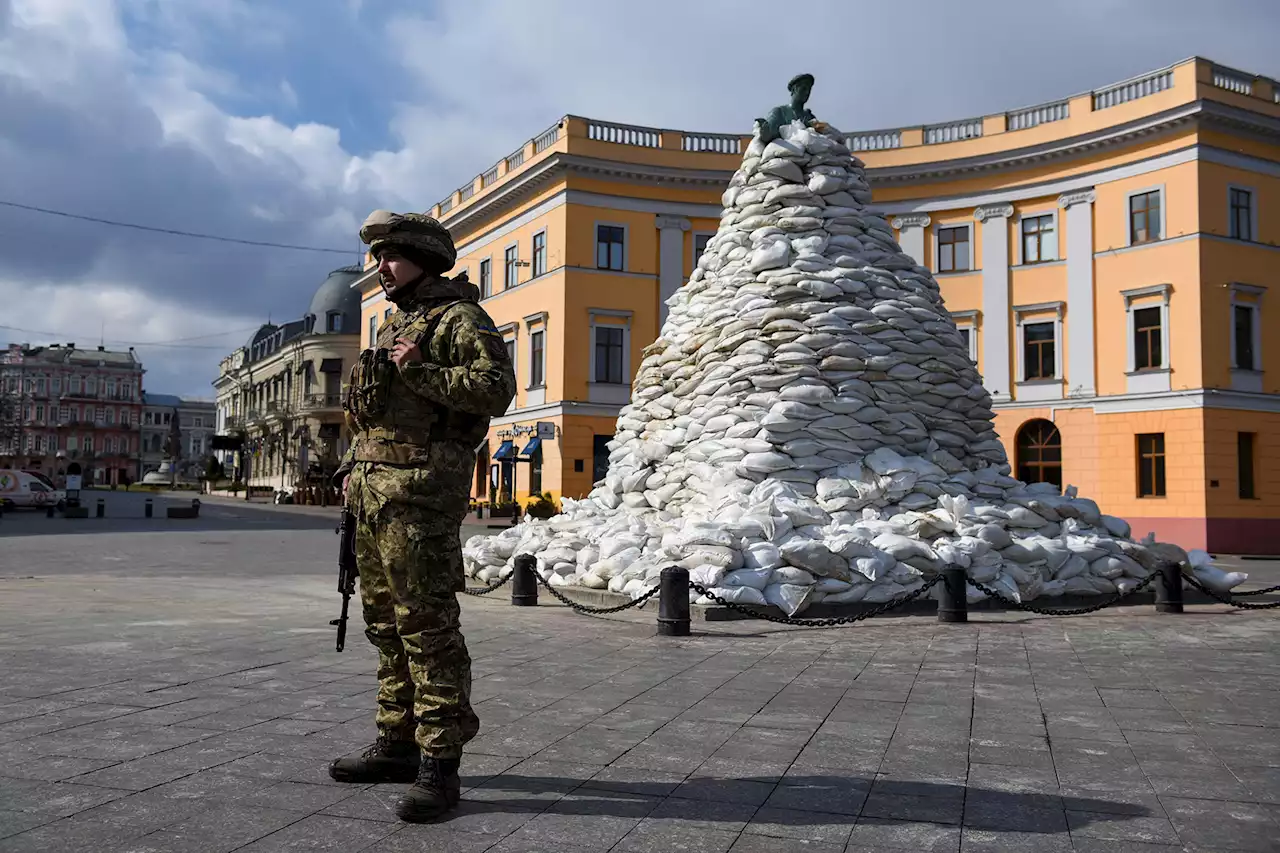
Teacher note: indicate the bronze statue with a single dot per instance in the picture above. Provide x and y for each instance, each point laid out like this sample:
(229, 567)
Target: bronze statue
(769, 127)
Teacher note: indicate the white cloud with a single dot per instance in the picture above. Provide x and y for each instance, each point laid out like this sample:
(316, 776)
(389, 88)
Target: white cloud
(124, 115)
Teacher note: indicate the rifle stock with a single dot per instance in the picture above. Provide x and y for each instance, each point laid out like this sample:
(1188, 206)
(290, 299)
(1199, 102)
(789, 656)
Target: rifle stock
(347, 572)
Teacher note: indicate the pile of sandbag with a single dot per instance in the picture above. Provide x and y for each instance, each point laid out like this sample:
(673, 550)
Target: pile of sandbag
(808, 427)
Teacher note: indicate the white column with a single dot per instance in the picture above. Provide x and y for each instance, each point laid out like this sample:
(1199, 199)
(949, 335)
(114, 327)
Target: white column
(670, 260)
(995, 300)
(910, 227)
(1080, 328)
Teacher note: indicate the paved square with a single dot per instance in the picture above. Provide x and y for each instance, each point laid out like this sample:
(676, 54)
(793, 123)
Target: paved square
(172, 686)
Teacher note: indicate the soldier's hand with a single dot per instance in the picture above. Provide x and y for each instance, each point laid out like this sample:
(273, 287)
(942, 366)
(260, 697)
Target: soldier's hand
(405, 350)
(346, 481)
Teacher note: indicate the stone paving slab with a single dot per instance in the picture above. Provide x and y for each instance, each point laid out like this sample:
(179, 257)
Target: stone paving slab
(179, 691)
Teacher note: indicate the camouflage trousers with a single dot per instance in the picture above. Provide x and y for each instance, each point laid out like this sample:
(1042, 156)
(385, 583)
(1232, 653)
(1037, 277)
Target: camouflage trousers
(410, 564)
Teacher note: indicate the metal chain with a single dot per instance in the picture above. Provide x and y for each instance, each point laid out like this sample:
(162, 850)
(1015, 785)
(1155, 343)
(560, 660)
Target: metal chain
(596, 611)
(817, 623)
(1256, 591)
(485, 590)
(1243, 605)
(1044, 611)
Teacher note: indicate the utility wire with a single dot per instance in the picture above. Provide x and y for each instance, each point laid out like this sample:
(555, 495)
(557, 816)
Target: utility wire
(179, 343)
(173, 231)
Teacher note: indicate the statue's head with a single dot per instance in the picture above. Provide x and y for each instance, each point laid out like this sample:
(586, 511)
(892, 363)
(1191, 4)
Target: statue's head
(800, 86)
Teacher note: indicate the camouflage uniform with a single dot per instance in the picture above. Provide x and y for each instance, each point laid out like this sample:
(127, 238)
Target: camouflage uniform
(415, 429)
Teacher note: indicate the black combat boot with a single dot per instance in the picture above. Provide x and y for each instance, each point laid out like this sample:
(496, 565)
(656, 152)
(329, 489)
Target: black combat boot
(388, 760)
(437, 790)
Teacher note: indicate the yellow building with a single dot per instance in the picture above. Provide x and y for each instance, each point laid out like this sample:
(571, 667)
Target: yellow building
(1109, 254)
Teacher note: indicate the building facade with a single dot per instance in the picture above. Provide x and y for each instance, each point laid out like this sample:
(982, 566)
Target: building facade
(1108, 256)
(63, 405)
(280, 394)
(197, 420)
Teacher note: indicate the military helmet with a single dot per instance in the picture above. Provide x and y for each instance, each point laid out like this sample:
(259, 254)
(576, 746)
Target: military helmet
(422, 235)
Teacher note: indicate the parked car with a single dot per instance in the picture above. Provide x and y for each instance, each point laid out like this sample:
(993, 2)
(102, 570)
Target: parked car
(21, 489)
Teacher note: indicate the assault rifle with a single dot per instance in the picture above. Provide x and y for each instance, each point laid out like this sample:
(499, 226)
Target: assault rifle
(346, 570)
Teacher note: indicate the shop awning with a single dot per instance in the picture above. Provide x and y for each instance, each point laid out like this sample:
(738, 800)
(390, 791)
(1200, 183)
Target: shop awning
(506, 451)
(331, 365)
(531, 448)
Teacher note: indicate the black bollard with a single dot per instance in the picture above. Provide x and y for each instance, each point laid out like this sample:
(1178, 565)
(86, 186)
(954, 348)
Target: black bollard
(673, 602)
(1169, 588)
(147, 508)
(48, 511)
(524, 583)
(102, 509)
(953, 605)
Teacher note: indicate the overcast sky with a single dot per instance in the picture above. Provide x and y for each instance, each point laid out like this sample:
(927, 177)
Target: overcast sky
(289, 120)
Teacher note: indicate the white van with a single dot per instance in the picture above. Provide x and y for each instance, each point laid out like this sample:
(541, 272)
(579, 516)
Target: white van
(20, 489)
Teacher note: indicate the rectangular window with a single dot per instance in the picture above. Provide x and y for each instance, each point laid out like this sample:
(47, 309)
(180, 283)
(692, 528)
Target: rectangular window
(72, 443)
(536, 377)
(486, 278)
(966, 335)
(386, 314)
(100, 415)
(1038, 241)
(64, 414)
(510, 272)
(40, 413)
(1151, 465)
(373, 328)
(109, 445)
(1148, 349)
(75, 385)
(1241, 214)
(199, 422)
(511, 350)
(40, 385)
(88, 444)
(700, 242)
(609, 354)
(1245, 444)
(1144, 217)
(335, 322)
(539, 254)
(39, 444)
(91, 387)
(953, 249)
(57, 386)
(147, 419)
(1038, 351)
(1243, 356)
(609, 247)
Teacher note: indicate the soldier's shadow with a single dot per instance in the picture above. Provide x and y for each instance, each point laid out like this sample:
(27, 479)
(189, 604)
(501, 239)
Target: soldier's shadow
(811, 800)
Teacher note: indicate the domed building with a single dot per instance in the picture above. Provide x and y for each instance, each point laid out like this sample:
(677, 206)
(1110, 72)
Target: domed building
(279, 397)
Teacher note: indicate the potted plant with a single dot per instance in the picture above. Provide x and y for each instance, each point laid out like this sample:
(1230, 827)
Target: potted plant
(542, 507)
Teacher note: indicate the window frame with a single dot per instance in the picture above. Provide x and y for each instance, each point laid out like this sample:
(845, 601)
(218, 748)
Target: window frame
(968, 320)
(1128, 214)
(510, 266)
(485, 274)
(693, 246)
(1021, 255)
(1131, 297)
(626, 244)
(1238, 289)
(1159, 465)
(938, 228)
(1023, 317)
(538, 264)
(1252, 236)
(1251, 492)
(609, 392)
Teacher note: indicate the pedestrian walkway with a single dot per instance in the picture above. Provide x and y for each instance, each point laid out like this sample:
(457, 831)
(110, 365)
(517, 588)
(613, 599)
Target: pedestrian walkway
(171, 689)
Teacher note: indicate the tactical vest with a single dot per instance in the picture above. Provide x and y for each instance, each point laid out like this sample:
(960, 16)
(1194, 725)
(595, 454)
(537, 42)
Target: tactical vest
(391, 423)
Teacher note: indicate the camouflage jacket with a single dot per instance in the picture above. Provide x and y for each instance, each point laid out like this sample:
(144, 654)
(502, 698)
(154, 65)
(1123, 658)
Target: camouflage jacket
(465, 377)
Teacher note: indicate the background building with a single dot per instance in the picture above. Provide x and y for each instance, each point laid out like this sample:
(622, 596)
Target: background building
(1107, 254)
(196, 422)
(63, 404)
(281, 391)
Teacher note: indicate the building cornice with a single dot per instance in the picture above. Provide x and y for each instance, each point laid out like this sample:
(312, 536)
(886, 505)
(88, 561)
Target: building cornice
(1200, 114)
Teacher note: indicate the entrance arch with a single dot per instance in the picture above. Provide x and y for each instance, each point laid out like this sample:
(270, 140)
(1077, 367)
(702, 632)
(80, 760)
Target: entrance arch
(1039, 453)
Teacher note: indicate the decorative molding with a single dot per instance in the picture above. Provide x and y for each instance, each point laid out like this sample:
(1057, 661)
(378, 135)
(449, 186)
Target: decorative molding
(1161, 290)
(673, 222)
(1077, 197)
(993, 211)
(1055, 307)
(1248, 290)
(911, 220)
(971, 314)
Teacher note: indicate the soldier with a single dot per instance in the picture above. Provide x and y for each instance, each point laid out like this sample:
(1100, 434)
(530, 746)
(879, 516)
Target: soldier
(418, 402)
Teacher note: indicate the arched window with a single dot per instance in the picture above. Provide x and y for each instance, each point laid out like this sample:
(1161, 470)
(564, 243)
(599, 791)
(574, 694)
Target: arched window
(1040, 453)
